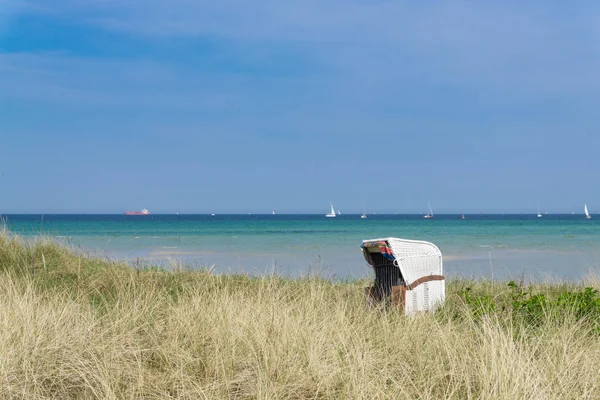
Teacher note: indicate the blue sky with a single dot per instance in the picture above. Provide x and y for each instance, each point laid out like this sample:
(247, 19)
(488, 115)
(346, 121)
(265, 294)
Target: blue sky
(236, 106)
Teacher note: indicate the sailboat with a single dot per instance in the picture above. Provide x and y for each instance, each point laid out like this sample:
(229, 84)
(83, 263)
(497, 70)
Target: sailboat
(339, 213)
(364, 214)
(539, 213)
(273, 212)
(331, 213)
(429, 215)
(587, 214)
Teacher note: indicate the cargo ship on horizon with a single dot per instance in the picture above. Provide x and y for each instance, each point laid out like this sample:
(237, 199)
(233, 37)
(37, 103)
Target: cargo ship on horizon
(143, 212)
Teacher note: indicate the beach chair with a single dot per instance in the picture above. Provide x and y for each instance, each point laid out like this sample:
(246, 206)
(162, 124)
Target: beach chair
(408, 274)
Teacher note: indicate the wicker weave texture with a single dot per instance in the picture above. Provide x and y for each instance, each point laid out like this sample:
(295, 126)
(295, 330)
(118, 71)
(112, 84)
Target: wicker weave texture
(417, 260)
(425, 297)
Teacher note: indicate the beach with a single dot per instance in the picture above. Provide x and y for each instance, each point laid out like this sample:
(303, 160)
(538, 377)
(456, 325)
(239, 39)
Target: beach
(486, 246)
(74, 326)
(201, 200)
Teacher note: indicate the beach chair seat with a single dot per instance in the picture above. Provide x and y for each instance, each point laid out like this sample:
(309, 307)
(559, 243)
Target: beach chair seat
(408, 273)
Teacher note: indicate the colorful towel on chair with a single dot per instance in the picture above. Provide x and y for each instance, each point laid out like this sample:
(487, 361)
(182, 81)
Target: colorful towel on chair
(383, 247)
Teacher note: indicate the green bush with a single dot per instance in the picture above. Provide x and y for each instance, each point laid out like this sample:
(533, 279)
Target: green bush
(532, 308)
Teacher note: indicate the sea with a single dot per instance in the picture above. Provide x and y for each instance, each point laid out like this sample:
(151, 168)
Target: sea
(500, 247)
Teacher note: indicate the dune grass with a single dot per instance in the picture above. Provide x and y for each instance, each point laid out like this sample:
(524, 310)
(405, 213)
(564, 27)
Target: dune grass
(73, 326)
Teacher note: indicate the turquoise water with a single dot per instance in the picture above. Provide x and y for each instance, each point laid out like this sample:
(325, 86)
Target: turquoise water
(511, 246)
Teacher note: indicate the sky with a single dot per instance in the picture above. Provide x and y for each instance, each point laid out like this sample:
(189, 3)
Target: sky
(232, 106)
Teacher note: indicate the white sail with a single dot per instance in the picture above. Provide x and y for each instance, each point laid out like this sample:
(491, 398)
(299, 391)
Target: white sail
(587, 214)
(331, 213)
(430, 214)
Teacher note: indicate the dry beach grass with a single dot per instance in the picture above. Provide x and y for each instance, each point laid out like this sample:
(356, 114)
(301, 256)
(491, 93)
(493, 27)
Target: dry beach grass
(73, 326)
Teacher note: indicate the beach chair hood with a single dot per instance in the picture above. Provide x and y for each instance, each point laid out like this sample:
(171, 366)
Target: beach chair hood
(415, 259)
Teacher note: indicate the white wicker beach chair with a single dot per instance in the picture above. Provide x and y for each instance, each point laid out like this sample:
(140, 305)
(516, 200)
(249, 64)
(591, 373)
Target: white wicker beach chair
(408, 273)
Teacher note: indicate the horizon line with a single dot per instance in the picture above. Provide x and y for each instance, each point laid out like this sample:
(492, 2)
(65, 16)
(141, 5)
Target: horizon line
(286, 213)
